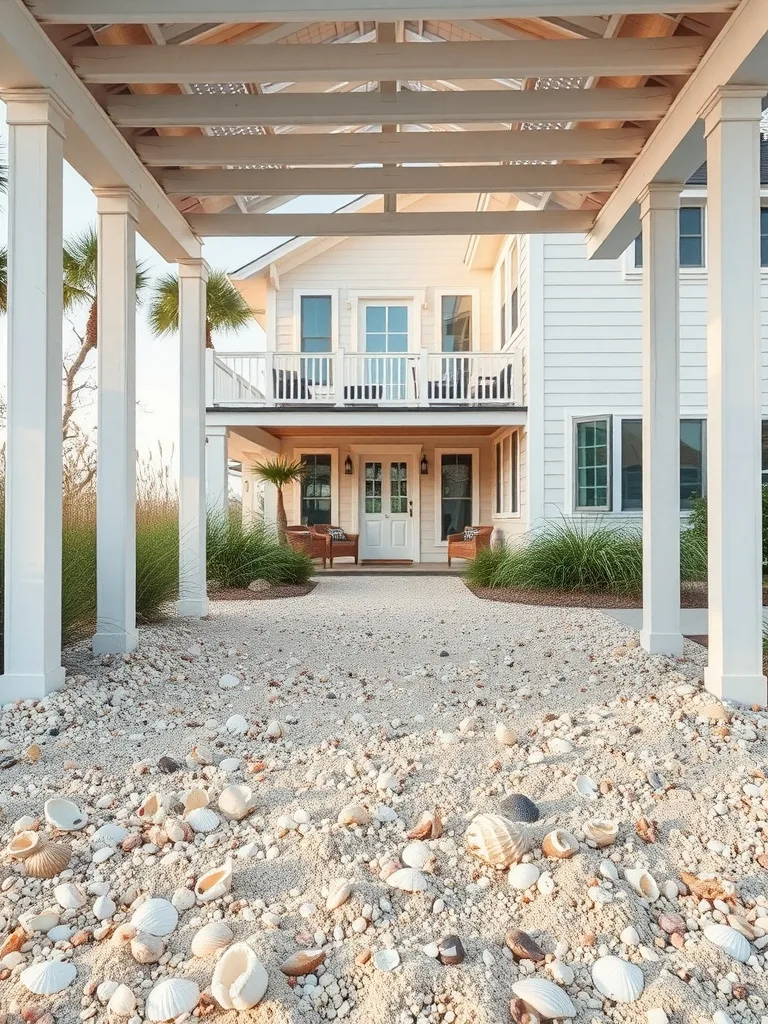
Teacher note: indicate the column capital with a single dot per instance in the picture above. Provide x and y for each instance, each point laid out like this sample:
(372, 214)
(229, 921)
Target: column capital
(659, 195)
(117, 200)
(35, 107)
(194, 268)
(733, 103)
(211, 431)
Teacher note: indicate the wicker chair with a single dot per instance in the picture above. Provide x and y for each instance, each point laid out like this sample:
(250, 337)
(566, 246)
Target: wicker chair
(338, 548)
(303, 538)
(460, 548)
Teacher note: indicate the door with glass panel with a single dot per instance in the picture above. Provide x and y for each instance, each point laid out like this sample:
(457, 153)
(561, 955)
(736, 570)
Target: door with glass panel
(384, 335)
(386, 513)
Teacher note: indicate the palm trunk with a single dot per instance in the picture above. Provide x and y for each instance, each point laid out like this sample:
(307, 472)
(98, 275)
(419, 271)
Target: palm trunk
(208, 334)
(281, 518)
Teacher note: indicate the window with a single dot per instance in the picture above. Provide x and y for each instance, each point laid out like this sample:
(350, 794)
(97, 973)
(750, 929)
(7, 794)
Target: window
(764, 236)
(512, 313)
(592, 464)
(514, 472)
(631, 465)
(316, 320)
(692, 434)
(316, 490)
(386, 331)
(691, 238)
(691, 462)
(455, 493)
(456, 318)
(503, 303)
(398, 487)
(507, 455)
(373, 488)
(499, 504)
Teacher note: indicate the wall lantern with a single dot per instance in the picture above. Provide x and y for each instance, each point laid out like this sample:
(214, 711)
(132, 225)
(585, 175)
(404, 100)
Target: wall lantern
(348, 468)
(424, 465)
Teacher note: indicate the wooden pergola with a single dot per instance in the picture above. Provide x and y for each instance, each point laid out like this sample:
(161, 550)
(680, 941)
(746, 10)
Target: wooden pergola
(200, 118)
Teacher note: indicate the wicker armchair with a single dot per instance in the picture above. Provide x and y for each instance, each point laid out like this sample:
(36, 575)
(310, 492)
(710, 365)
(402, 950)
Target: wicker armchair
(460, 548)
(303, 538)
(338, 548)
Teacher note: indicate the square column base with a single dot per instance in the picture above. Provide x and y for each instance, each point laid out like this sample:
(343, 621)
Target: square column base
(119, 642)
(747, 690)
(192, 608)
(661, 643)
(16, 686)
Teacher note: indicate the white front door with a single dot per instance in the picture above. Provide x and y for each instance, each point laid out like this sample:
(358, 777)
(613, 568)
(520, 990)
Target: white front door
(386, 513)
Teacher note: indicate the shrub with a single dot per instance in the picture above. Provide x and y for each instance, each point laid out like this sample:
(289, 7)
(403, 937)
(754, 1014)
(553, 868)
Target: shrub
(157, 558)
(697, 526)
(239, 554)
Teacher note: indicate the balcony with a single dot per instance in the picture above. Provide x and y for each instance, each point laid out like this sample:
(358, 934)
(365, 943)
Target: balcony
(344, 379)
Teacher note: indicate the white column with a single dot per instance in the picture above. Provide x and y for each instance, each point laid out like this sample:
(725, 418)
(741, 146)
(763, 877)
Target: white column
(731, 125)
(269, 492)
(217, 470)
(116, 471)
(33, 513)
(193, 599)
(659, 212)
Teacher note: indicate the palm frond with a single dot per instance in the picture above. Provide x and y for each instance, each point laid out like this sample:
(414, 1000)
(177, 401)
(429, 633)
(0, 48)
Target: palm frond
(80, 268)
(226, 309)
(163, 311)
(280, 471)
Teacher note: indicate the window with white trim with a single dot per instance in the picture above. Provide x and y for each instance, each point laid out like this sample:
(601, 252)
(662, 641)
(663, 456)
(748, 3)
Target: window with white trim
(507, 474)
(456, 493)
(456, 323)
(592, 439)
(691, 238)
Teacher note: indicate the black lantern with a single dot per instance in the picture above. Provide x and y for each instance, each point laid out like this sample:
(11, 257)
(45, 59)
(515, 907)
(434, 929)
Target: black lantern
(348, 466)
(424, 465)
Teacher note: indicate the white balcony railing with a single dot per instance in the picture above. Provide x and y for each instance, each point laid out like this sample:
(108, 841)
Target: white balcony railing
(342, 379)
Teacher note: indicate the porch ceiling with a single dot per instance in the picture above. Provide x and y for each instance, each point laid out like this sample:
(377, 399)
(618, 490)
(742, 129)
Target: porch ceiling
(234, 106)
(406, 433)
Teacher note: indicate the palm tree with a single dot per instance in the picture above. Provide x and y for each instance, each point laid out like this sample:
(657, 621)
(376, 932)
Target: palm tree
(280, 472)
(226, 309)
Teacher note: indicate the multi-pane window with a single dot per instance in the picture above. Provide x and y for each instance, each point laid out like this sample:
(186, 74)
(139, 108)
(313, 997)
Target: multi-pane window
(764, 236)
(503, 303)
(316, 490)
(373, 488)
(398, 487)
(499, 503)
(592, 464)
(455, 493)
(691, 238)
(456, 319)
(507, 457)
(692, 435)
(514, 472)
(316, 323)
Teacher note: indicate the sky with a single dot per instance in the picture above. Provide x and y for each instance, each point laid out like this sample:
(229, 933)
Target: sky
(157, 361)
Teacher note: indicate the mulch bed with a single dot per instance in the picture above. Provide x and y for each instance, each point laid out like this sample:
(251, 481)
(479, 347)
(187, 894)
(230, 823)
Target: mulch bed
(692, 595)
(272, 594)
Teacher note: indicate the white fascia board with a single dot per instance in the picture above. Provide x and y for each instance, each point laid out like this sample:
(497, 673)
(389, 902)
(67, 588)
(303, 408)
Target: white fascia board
(321, 419)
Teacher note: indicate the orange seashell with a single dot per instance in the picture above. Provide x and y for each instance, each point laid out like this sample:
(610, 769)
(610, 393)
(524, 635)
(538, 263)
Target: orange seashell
(302, 963)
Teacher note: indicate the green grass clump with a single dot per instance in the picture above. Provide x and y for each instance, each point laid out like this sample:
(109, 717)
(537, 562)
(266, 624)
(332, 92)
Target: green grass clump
(157, 558)
(239, 554)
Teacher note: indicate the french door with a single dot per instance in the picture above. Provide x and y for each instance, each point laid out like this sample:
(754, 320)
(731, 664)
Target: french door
(386, 513)
(385, 335)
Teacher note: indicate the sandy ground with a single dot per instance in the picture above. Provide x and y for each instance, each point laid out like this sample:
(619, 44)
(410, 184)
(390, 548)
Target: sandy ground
(386, 693)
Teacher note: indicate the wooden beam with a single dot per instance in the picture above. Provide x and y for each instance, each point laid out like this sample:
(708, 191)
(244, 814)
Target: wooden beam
(407, 147)
(363, 62)
(363, 108)
(318, 225)
(100, 12)
(394, 180)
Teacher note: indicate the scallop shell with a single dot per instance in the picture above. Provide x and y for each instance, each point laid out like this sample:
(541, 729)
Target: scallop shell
(505, 735)
(643, 883)
(418, 855)
(193, 799)
(523, 876)
(587, 787)
(304, 962)
(354, 814)
(122, 1002)
(732, 943)
(601, 833)
(146, 948)
(48, 860)
(155, 917)
(48, 978)
(64, 815)
(339, 892)
(170, 998)
(408, 879)
(214, 884)
(24, 844)
(202, 819)
(545, 998)
(496, 840)
(237, 802)
(617, 979)
(240, 980)
(560, 844)
(210, 938)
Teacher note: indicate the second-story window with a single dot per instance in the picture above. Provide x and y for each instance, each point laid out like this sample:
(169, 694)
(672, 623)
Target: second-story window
(316, 326)
(764, 236)
(456, 318)
(514, 276)
(691, 238)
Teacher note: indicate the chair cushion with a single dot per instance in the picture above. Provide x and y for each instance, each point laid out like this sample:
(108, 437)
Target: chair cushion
(470, 532)
(336, 533)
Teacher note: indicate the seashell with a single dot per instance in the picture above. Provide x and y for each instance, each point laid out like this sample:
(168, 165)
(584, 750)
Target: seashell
(13, 942)
(557, 745)
(228, 681)
(237, 802)
(386, 960)
(240, 980)
(304, 962)
(33, 922)
(560, 844)
(64, 815)
(210, 938)
(108, 836)
(408, 879)
(339, 892)
(354, 814)
(193, 799)
(601, 833)
(156, 917)
(170, 998)
(158, 836)
(630, 936)
(104, 908)
(671, 923)
(124, 933)
(146, 948)
(387, 782)
(152, 808)
(214, 884)
(429, 826)
(544, 998)
(203, 819)
(48, 860)
(587, 787)
(496, 840)
(517, 807)
(505, 735)
(524, 947)
(237, 725)
(26, 823)
(523, 876)
(48, 978)
(122, 1002)
(617, 979)
(24, 844)
(418, 855)
(178, 831)
(274, 730)
(731, 942)
(201, 755)
(643, 883)
(450, 951)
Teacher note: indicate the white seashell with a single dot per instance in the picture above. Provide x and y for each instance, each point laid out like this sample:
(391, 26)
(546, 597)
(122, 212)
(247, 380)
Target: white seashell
(170, 998)
(48, 978)
(562, 973)
(122, 1002)
(732, 943)
(601, 833)
(26, 822)
(560, 844)
(545, 998)
(64, 815)
(643, 883)
(240, 980)
(228, 682)
(617, 979)
(106, 990)
(152, 808)
(146, 948)
(274, 730)
(408, 879)
(609, 870)
(155, 917)
(587, 787)
(523, 876)
(108, 836)
(237, 725)
(497, 841)
(387, 782)
(200, 754)
(24, 844)
(210, 938)
(339, 892)
(505, 735)
(104, 908)
(193, 799)
(236, 802)
(386, 960)
(203, 819)
(559, 746)
(418, 855)
(630, 936)
(33, 922)
(214, 884)
(354, 814)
